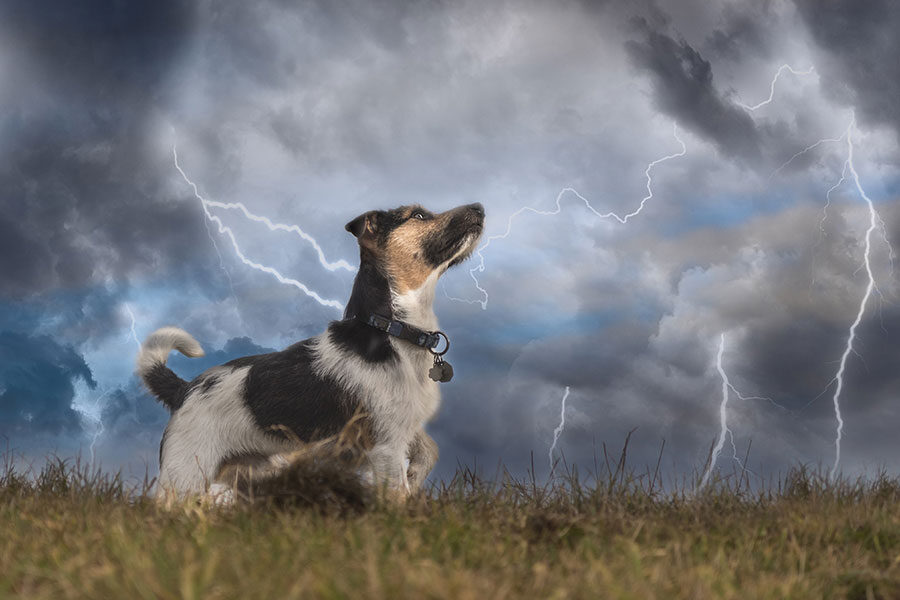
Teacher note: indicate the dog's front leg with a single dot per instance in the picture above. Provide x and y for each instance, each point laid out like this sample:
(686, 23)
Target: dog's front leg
(388, 473)
(423, 453)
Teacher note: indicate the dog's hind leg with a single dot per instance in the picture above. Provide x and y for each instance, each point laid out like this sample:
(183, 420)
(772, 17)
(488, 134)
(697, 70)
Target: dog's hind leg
(188, 462)
(423, 454)
(212, 425)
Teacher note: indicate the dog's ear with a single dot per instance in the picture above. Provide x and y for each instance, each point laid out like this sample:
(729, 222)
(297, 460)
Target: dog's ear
(364, 227)
(356, 225)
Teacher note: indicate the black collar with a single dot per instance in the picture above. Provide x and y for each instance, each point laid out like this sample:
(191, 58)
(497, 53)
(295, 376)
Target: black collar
(426, 339)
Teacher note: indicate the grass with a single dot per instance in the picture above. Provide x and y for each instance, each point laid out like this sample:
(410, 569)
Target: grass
(69, 532)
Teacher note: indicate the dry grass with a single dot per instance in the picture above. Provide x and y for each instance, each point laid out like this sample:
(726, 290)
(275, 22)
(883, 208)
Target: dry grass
(68, 532)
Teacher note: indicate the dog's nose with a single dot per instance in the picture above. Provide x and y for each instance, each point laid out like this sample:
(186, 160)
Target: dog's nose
(477, 208)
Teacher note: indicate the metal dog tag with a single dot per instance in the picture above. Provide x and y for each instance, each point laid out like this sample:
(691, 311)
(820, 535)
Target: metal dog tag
(448, 372)
(437, 371)
(441, 371)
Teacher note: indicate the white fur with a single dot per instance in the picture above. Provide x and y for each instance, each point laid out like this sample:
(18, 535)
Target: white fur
(399, 397)
(221, 494)
(155, 350)
(209, 427)
(416, 307)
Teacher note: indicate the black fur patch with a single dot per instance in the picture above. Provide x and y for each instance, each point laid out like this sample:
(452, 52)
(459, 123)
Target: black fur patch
(282, 391)
(204, 382)
(371, 295)
(387, 221)
(441, 245)
(168, 387)
(209, 382)
(366, 342)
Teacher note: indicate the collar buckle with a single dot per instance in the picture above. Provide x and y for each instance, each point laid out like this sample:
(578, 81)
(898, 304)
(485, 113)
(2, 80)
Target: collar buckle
(425, 339)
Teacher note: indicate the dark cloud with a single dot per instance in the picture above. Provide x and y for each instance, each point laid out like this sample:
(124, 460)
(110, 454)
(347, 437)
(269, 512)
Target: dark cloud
(118, 405)
(99, 52)
(88, 206)
(858, 41)
(746, 31)
(37, 385)
(785, 310)
(683, 88)
(314, 112)
(84, 203)
(27, 264)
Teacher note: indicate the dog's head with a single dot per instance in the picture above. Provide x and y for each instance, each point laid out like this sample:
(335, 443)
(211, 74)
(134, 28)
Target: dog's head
(411, 244)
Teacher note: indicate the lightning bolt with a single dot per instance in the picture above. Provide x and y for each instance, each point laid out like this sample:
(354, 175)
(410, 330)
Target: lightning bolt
(559, 429)
(827, 204)
(825, 207)
(874, 220)
(227, 232)
(723, 416)
(212, 239)
(134, 335)
(828, 193)
(331, 266)
(724, 431)
(98, 421)
(567, 191)
(797, 155)
(778, 73)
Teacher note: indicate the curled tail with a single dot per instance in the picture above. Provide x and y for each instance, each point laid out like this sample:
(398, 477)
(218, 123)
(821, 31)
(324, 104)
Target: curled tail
(151, 364)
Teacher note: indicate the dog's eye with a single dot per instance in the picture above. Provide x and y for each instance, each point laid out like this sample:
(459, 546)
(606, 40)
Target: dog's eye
(418, 214)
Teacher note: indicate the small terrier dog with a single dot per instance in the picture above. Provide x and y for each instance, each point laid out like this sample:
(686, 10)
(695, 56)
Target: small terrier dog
(379, 362)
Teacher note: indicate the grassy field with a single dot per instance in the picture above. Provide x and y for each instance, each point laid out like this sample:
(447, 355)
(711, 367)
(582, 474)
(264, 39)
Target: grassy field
(70, 533)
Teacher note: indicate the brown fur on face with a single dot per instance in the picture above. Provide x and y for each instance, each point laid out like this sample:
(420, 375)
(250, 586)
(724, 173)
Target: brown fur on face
(408, 244)
(403, 258)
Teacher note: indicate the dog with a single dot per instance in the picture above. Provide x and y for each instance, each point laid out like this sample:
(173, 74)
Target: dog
(381, 361)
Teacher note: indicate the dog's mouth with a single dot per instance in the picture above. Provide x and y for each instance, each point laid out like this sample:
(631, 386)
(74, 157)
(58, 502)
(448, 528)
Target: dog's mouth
(459, 237)
(466, 247)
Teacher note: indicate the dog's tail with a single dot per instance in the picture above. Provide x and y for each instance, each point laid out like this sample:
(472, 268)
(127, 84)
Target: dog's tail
(168, 387)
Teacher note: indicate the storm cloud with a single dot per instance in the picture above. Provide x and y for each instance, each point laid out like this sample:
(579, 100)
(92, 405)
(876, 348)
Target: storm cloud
(38, 378)
(857, 44)
(312, 113)
(683, 87)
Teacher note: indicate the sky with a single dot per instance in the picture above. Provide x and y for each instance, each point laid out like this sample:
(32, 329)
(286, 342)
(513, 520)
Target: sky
(311, 113)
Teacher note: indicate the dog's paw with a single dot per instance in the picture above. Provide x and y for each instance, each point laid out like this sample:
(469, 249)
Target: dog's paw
(220, 494)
